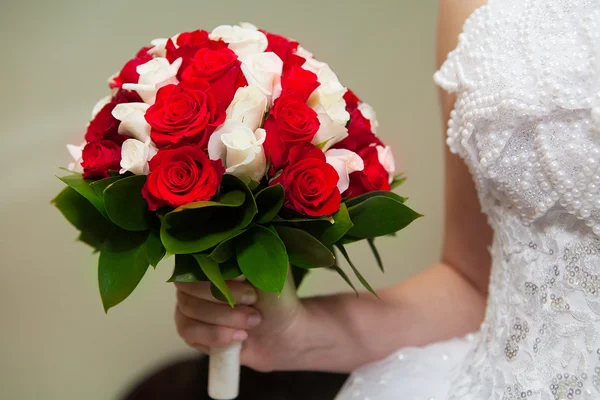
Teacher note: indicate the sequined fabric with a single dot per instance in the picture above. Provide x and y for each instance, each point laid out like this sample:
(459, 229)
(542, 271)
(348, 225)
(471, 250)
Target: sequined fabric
(527, 123)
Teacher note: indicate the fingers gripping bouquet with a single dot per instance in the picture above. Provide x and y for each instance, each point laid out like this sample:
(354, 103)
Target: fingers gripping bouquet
(240, 154)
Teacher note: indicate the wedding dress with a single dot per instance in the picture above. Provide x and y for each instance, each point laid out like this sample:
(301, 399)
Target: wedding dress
(527, 123)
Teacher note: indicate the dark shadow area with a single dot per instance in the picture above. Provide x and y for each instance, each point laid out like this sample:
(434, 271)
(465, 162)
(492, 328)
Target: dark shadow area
(187, 380)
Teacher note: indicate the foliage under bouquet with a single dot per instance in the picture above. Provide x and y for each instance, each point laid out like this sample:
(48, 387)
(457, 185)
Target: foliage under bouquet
(239, 153)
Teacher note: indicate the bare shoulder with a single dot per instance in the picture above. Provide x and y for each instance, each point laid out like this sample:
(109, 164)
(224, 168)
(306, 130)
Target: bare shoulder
(451, 17)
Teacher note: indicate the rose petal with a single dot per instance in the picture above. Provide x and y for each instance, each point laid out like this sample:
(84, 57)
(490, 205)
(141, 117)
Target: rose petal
(329, 133)
(133, 121)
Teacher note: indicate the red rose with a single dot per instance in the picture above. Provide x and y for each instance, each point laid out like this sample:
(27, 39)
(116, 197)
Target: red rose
(297, 81)
(291, 121)
(296, 121)
(360, 135)
(188, 43)
(283, 47)
(222, 69)
(181, 176)
(372, 177)
(351, 100)
(275, 149)
(104, 125)
(310, 183)
(99, 157)
(184, 113)
(129, 73)
(211, 64)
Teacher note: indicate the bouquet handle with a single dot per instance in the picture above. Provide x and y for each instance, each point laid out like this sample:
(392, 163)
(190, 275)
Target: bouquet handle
(224, 364)
(224, 372)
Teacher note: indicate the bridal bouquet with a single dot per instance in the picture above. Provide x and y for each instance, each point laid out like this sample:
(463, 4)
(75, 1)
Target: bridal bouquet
(237, 152)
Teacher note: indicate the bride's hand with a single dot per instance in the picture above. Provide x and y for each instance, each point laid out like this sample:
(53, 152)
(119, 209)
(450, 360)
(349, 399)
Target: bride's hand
(269, 327)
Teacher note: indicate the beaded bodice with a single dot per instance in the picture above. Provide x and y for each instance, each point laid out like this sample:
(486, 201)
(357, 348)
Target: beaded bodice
(527, 122)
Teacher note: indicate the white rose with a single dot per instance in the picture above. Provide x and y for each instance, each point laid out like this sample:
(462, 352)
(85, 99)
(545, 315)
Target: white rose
(386, 159)
(248, 107)
(100, 105)
(75, 152)
(329, 96)
(329, 132)
(135, 156)
(315, 66)
(248, 25)
(302, 52)
(369, 113)
(159, 46)
(345, 162)
(240, 149)
(264, 71)
(323, 71)
(133, 122)
(244, 41)
(154, 74)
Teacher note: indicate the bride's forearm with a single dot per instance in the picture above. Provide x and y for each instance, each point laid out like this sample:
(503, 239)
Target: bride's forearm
(345, 332)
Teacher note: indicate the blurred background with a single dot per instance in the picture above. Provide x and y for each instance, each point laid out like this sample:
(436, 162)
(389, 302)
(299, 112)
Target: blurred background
(55, 340)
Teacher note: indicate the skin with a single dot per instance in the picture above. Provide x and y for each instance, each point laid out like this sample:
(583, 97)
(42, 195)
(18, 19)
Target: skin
(342, 332)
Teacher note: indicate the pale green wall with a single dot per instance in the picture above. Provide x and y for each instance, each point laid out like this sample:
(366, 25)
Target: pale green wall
(55, 341)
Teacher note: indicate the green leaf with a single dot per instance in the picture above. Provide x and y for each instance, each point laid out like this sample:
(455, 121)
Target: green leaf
(121, 266)
(187, 270)
(376, 253)
(262, 258)
(252, 184)
(230, 199)
(379, 216)
(217, 293)
(303, 249)
(155, 251)
(212, 271)
(80, 212)
(378, 193)
(361, 278)
(287, 219)
(67, 170)
(230, 269)
(99, 186)
(398, 180)
(93, 240)
(324, 143)
(125, 204)
(298, 274)
(345, 277)
(225, 250)
(198, 227)
(82, 186)
(341, 225)
(269, 201)
(348, 240)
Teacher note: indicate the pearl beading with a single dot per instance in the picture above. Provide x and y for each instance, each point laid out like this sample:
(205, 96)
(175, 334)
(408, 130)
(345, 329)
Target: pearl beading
(527, 123)
(527, 115)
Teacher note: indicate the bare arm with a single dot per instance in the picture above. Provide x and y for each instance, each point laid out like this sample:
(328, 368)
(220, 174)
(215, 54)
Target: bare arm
(444, 301)
(340, 333)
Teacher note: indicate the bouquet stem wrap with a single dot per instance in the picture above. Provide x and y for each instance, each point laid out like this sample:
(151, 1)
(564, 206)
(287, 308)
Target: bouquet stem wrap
(224, 365)
(224, 372)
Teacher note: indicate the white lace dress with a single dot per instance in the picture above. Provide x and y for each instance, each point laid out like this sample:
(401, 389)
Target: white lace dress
(527, 122)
